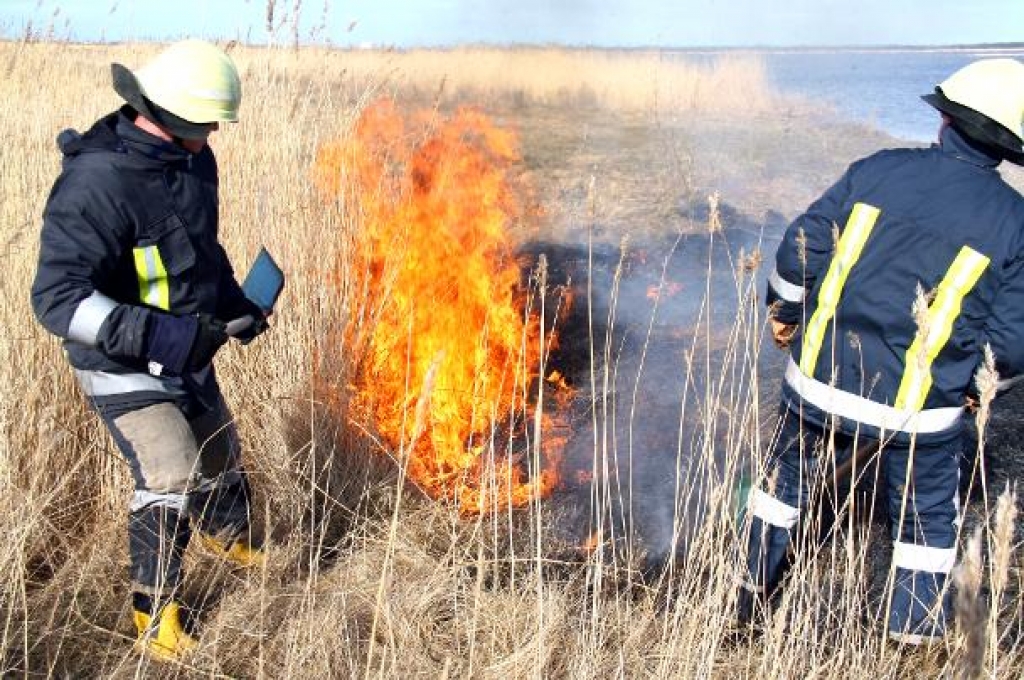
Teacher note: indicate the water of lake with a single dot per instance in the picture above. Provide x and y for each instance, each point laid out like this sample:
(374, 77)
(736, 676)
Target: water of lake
(877, 87)
(880, 88)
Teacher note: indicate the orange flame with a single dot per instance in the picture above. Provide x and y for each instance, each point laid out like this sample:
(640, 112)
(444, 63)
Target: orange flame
(557, 379)
(666, 288)
(444, 322)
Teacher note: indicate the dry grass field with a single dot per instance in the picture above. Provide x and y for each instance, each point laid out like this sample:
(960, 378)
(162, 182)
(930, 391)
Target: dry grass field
(373, 573)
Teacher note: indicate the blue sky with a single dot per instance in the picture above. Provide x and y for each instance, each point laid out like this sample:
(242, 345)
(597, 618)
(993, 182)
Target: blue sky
(409, 23)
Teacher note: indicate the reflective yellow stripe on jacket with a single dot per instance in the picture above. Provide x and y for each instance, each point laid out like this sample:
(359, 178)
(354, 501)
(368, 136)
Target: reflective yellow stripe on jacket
(149, 268)
(858, 227)
(965, 271)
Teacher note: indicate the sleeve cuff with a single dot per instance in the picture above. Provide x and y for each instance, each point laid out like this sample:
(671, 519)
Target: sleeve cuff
(786, 291)
(89, 317)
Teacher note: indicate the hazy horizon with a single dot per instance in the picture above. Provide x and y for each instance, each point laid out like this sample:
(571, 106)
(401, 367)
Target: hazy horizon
(622, 24)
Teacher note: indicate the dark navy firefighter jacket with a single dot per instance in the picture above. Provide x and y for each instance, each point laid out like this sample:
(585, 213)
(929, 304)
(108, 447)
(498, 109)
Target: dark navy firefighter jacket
(129, 230)
(938, 226)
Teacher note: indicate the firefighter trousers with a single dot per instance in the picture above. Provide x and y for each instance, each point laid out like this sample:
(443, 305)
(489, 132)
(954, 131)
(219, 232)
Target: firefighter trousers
(188, 474)
(921, 485)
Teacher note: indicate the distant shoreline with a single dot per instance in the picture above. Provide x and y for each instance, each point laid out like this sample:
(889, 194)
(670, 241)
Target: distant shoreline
(990, 49)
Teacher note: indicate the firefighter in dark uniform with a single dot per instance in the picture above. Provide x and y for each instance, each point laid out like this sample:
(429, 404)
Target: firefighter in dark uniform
(890, 286)
(132, 277)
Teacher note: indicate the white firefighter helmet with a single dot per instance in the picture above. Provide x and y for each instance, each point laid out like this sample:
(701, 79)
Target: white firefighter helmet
(985, 99)
(193, 80)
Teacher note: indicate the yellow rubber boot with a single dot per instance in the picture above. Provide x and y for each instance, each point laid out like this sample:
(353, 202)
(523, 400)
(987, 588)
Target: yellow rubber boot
(238, 552)
(165, 638)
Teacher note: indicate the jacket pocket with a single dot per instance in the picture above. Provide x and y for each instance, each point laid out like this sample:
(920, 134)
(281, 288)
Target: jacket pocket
(165, 253)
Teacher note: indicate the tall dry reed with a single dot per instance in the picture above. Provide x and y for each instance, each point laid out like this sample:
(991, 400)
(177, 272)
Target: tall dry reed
(366, 577)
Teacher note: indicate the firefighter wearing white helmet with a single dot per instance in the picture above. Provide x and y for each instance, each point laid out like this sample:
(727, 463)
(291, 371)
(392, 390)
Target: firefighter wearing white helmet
(985, 100)
(193, 80)
(888, 291)
(132, 278)
(186, 89)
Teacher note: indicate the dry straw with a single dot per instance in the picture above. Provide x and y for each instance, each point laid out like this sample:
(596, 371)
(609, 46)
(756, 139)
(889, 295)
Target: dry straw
(366, 578)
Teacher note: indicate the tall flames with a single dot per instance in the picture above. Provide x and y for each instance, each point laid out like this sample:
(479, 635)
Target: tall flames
(449, 339)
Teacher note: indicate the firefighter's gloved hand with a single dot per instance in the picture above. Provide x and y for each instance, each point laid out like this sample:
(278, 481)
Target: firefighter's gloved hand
(211, 337)
(182, 344)
(258, 326)
(782, 333)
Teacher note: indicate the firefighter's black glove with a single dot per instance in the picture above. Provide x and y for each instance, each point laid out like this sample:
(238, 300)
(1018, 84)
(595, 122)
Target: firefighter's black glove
(256, 328)
(211, 337)
(182, 344)
(259, 324)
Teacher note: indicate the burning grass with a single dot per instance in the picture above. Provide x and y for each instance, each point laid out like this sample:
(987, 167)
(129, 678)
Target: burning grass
(367, 578)
(447, 342)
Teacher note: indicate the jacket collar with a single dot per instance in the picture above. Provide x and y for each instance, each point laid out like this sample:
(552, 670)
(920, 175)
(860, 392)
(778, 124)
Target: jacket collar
(150, 146)
(955, 144)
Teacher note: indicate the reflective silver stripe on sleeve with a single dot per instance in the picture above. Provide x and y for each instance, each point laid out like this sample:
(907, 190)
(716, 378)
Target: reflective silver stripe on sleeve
(102, 384)
(923, 558)
(1004, 385)
(88, 317)
(790, 292)
(144, 499)
(861, 410)
(772, 510)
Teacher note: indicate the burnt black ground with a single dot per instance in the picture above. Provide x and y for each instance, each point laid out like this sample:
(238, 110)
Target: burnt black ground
(625, 193)
(641, 369)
